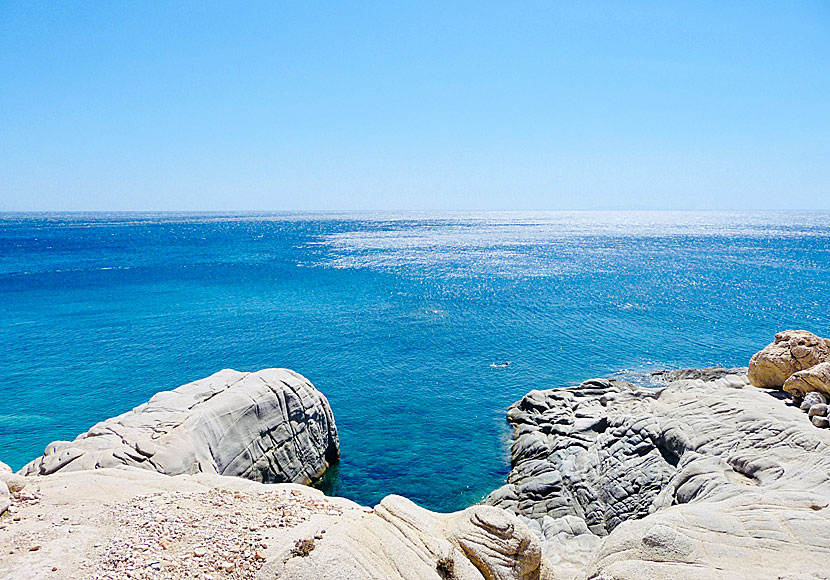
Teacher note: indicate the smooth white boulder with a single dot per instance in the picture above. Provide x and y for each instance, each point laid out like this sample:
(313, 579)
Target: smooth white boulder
(269, 426)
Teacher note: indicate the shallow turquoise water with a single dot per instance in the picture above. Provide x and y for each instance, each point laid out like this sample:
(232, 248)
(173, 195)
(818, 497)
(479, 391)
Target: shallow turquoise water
(397, 318)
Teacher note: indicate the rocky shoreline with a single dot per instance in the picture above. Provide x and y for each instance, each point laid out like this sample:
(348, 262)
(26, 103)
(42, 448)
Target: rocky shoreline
(707, 476)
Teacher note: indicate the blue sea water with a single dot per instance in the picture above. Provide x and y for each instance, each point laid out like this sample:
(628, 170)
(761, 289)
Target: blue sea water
(400, 319)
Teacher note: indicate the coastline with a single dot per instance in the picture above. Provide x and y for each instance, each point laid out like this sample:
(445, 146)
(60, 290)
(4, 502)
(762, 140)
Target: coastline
(706, 476)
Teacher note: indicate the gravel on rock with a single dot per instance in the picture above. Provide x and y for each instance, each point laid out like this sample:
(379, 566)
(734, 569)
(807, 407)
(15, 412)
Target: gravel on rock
(210, 535)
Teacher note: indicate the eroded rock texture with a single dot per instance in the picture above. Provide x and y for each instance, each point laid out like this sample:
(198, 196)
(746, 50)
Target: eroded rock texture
(269, 426)
(814, 379)
(399, 540)
(107, 524)
(792, 351)
(704, 478)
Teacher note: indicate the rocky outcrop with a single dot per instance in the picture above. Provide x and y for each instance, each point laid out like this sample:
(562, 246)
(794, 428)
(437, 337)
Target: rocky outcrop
(813, 379)
(133, 523)
(697, 479)
(268, 426)
(791, 352)
(401, 540)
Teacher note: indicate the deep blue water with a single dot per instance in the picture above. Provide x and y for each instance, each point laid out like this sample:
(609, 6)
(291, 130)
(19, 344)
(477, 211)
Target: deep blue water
(397, 318)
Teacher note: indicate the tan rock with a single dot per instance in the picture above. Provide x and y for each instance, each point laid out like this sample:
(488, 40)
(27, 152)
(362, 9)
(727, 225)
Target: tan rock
(814, 379)
(792, 351)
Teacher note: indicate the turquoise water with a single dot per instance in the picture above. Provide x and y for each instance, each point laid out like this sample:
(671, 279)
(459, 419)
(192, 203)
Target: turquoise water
(397, 318)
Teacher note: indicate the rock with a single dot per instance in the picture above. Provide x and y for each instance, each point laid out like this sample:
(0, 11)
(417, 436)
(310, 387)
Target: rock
(118, 516)
(401, 540)
(814, 379)
(269, 426)
(14, 481)
(706, 374)
(695, 480)
(820, 421)
(811, 399)
(792, 351)
(5, 498)
(4, 468)
(819, 409)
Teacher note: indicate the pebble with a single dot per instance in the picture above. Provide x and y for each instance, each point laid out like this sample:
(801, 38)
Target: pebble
(818, 409)
(191, 533)
(811, 399)
(820, 421)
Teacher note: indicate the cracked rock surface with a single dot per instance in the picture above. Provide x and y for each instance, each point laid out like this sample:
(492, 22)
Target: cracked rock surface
(707, 477)
(270, 426)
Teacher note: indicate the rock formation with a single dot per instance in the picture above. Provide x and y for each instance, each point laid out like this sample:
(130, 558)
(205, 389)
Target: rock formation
(813, 379)
(792, 351)
(133, 523)
(269, 426)
(699, 479)
(398, 539)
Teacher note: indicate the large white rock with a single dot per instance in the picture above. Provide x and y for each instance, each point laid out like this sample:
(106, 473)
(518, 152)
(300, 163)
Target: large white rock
(269, 426)
(701, 479)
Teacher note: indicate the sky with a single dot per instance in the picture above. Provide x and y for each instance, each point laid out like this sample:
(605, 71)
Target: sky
(414, 105)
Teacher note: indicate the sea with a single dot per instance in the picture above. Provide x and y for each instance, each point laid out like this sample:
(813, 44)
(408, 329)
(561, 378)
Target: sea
(405, 321)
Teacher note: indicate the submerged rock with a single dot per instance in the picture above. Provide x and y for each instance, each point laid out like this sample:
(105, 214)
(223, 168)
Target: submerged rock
(269, 426)
(792, 351)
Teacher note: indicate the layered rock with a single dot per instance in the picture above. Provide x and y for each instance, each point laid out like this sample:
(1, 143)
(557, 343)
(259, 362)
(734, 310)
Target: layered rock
(813, 379)
(268, 426)
(698, 479)
(133, 523)
(791, 352)
(401, 540)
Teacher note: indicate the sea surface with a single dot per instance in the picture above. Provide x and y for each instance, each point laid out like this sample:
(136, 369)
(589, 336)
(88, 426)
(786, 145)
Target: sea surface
(403, 320)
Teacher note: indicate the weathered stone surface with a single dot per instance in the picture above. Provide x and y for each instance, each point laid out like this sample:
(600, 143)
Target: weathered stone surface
(270, 426)
(401, 540)
(811, 399)
(695, 480)
(820, 421)
(814, 379)
(792, 351)
(5, 498)
(84, 524)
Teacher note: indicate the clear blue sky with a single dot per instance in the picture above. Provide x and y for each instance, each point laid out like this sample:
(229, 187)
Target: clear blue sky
(420, 105)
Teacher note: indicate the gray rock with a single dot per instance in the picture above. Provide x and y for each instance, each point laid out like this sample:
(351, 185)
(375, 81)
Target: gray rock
(269, 426)
(811, 399)
(699, 479)
(706, 374)
(819, 409)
